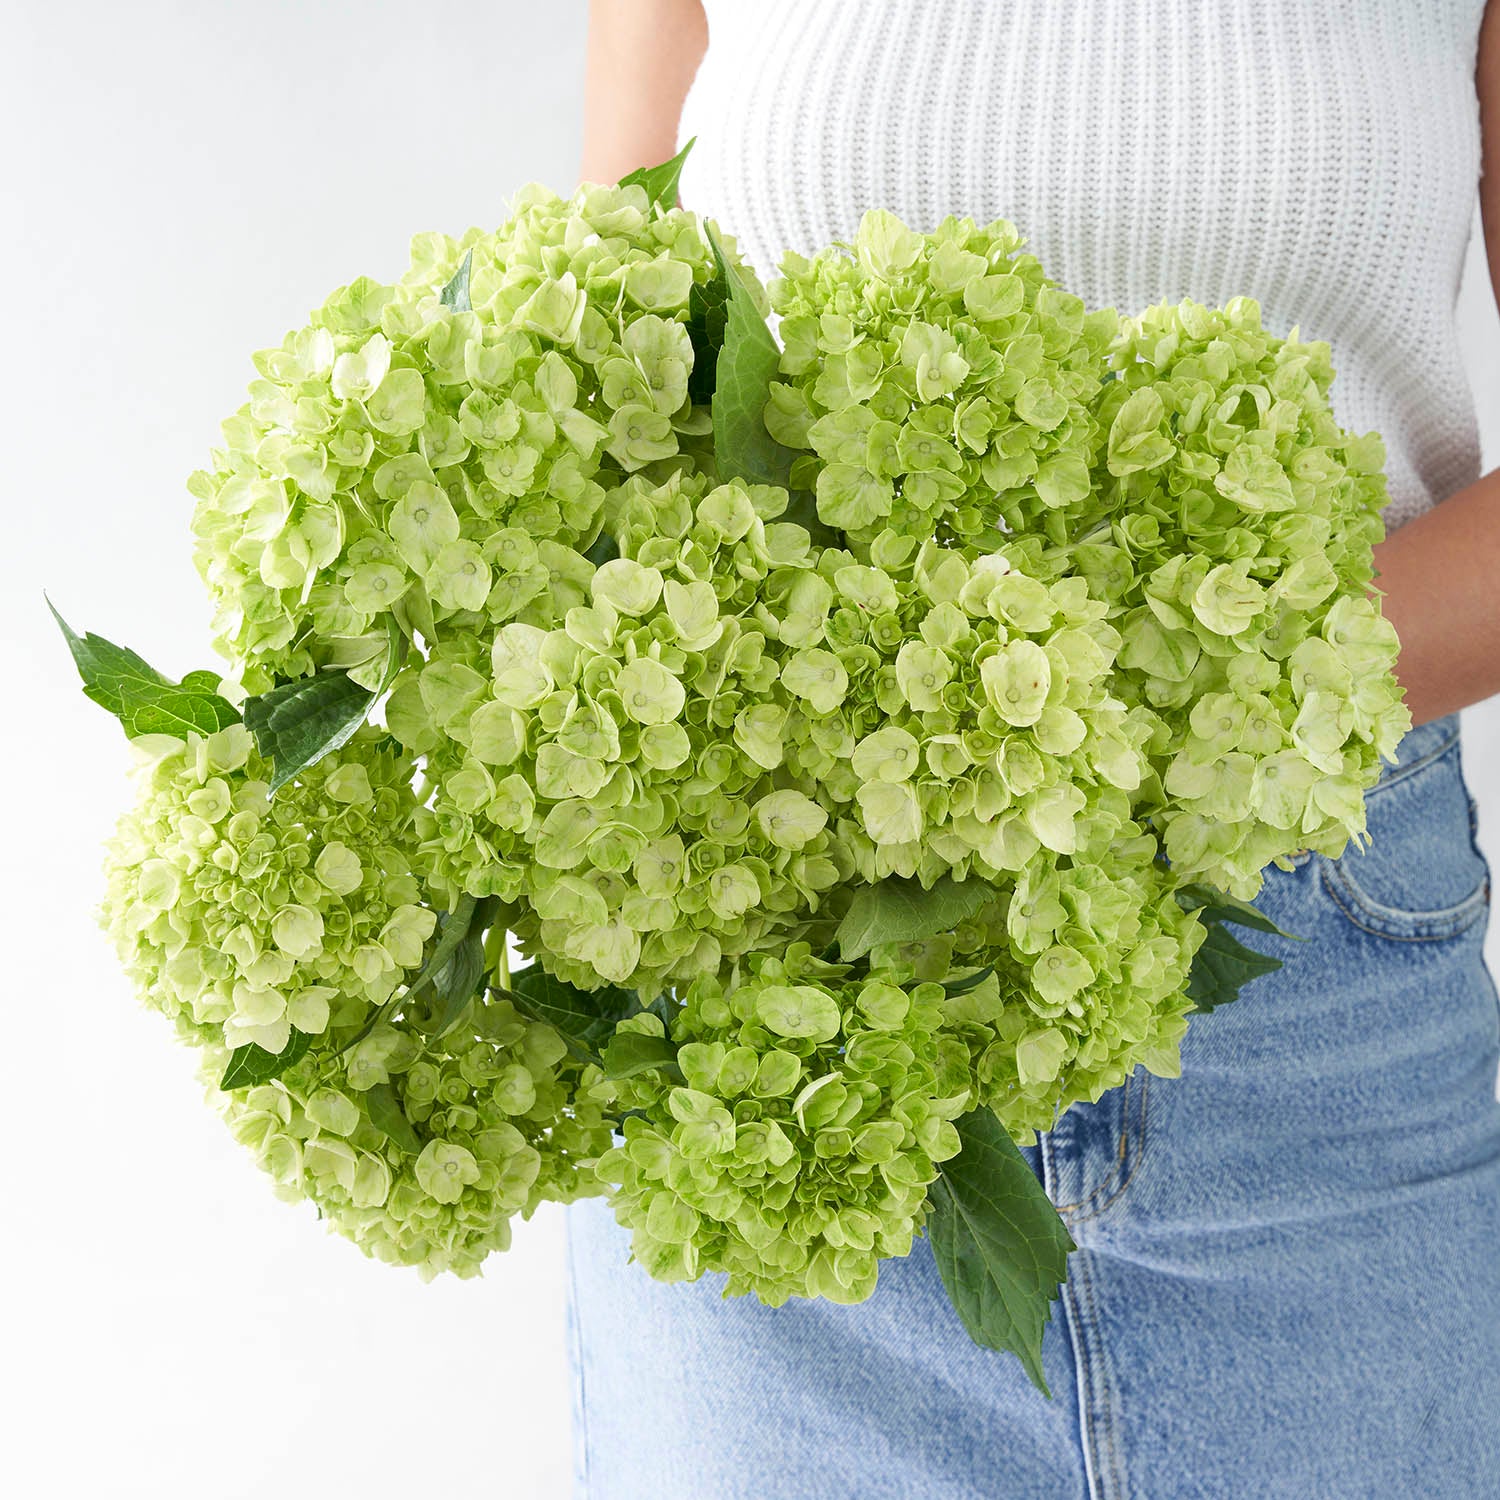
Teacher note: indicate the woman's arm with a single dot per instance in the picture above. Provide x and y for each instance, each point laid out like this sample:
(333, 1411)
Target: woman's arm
(642, 55)
(1441, 572)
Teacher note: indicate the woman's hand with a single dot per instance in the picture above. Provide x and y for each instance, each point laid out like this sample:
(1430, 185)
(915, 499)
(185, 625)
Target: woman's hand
(642, 55)
(1441, 572)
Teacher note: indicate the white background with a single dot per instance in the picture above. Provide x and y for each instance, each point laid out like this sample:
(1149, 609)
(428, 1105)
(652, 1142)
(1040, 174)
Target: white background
(186, 181)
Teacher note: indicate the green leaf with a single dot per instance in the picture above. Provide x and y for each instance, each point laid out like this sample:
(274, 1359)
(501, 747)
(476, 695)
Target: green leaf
(586, 1019)
(208, 684)
(456, 293)
(802, 509)
(461, 975)
(139, 696)
(708, 313)
(604, 548)
(1000, 1245)
(1216, 906)
(251, 1064)
(386, 1114)
(298, 723)
(660, 182)
(747, 364)
(901, 911)
(968, 982)
(665, 1009)
(453, 928)
(1221, 966)
(631, 1052)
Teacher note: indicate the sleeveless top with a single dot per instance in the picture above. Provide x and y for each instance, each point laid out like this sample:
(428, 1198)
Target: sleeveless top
(1321, 156)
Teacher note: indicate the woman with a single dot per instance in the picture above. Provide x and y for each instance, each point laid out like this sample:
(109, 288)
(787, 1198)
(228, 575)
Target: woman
(1288, 1280)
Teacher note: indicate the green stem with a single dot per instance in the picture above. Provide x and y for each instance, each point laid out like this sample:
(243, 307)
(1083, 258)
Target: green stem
(497, 955)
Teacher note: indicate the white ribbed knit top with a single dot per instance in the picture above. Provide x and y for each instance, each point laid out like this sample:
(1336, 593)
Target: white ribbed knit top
(1320, 156)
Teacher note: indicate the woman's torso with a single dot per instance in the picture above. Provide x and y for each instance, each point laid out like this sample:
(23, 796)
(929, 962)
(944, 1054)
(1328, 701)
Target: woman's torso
(1318, 155)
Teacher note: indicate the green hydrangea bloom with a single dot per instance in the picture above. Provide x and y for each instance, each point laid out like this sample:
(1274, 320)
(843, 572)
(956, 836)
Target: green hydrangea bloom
(1086, 613)
(1235, 525)
(497, 1127)
(955, 715)
(793, 1146)
(402, 458)
(1090, 964)
(590, 773)
(245, 918)
(738, 722)
(941, 382)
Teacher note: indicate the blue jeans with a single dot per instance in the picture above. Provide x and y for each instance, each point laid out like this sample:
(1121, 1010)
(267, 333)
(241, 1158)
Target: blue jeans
(1288, 1280)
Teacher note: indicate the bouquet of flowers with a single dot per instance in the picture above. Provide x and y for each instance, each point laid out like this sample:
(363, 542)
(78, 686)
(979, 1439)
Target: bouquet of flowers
(866, 737)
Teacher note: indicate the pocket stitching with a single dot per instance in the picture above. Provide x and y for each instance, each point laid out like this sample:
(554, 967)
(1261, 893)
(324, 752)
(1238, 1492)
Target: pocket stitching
(1128, 1158)
(1399, 772)
(1400, 924)
(1355, 905)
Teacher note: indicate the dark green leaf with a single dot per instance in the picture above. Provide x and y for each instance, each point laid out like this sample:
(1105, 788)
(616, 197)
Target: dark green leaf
(603, 549)
(298, 723)
(585, 1018)
(453, 928)
(630, 1052)
(660, 182)
(665, 1009)
(139, 696)
(1216, 906)
(802, 509)
(251, 1064)
(1221, 966)
(1000, 1245)
(461, 977)
(386, 1114)
(708, 312)
(456, 293)
(968, 982)
(901, 911)
(747, 364)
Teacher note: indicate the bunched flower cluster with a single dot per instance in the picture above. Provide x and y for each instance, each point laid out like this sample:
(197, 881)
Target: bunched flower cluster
(1090, 965)
(739, 721)
(496, 1123)
(837, 813)
(245, 918)
(794, 1149)
(395, 450)
(589, 772)
(1236, 557)
(942, 383)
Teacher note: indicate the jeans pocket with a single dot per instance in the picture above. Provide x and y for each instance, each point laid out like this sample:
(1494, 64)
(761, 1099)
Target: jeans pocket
(1422, 877)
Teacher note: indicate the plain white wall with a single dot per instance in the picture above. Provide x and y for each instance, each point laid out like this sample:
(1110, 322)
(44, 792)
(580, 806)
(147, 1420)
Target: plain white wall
(183, 183)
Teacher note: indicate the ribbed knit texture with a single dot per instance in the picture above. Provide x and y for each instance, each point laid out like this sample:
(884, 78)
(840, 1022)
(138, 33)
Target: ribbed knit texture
(1320, 156)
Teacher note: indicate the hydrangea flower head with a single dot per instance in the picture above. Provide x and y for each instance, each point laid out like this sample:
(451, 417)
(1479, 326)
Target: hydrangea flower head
(394, 451)
(939, 383)
(246, 918)
(498, 1127)
(793, 1148)
(1235, 551)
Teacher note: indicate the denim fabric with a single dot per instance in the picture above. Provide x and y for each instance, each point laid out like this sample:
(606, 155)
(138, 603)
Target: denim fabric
(1288, 1281)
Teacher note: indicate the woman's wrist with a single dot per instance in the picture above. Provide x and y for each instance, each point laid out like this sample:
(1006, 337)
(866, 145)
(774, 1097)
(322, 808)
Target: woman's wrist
(1440, 579)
